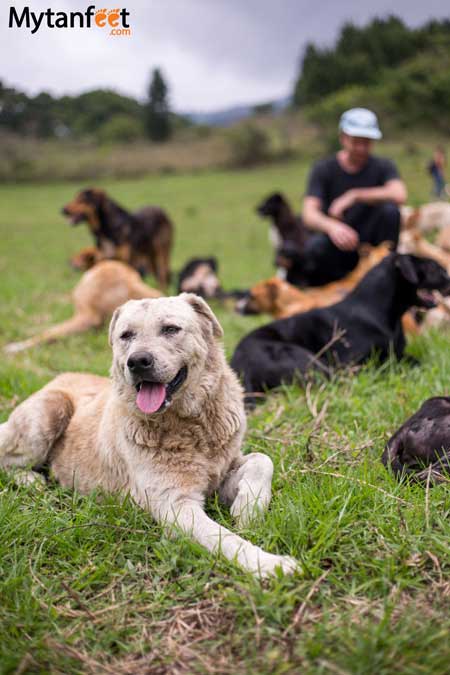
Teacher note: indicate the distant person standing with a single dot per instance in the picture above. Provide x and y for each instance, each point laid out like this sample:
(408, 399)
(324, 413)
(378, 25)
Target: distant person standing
(437, 171)
(352, 197)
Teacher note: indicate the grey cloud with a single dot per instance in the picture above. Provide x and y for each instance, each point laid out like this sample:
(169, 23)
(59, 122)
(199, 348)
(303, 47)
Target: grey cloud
(213, 52)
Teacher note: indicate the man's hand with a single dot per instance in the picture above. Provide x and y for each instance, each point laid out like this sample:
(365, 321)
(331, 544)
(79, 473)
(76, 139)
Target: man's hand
(341, 204)
(343, 236)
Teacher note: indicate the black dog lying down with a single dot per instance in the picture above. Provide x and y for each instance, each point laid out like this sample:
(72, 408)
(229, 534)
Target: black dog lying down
(199, 275)
(423, 441)
(367, 322)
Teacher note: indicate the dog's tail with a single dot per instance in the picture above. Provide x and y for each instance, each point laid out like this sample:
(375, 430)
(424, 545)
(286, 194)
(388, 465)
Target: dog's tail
(79, 323)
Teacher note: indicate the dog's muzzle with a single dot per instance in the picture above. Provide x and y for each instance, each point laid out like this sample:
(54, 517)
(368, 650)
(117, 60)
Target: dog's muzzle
(152, 395)
(74, 218)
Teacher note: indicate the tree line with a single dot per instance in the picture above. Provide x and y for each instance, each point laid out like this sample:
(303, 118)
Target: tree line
(402, 72)
(101, 114)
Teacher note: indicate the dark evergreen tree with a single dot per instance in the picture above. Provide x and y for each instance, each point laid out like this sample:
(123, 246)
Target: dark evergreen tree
(157, 113)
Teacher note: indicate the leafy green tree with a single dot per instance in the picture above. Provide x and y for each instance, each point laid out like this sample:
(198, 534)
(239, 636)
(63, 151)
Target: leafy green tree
(121, 128)
(361, 55)
(90, 111)
(13, 109)
(157, 112)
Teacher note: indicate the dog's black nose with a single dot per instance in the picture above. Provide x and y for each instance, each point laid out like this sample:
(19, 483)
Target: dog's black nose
(140, 362)
(64, 211)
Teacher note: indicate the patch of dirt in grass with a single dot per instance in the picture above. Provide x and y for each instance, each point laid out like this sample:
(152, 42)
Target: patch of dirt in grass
(196, 638)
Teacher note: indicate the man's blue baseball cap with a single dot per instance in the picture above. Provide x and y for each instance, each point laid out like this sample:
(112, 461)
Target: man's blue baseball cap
(360, 122)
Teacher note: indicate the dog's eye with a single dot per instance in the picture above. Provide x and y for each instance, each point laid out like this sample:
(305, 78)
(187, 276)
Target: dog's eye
(127, 335)
(170, 330)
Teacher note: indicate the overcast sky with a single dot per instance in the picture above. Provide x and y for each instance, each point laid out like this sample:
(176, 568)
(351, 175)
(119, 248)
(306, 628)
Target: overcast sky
(213, 53)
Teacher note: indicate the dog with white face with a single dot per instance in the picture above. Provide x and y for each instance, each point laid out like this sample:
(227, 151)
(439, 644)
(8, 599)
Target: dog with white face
(166, 428)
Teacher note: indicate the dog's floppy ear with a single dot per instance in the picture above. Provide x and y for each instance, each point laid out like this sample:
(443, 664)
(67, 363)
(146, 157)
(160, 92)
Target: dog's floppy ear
(203, 309)
(405, 263)
(112, 325)
(212, 262)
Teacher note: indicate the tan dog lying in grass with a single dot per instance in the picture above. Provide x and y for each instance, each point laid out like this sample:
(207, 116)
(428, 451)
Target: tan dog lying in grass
(281, 299)
(99, 292)
(432, 216)
(443, 239)
(414, 243)
(167, 428)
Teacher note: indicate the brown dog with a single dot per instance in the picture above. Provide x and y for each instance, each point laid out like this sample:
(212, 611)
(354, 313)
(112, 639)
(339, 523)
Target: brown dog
(281, 299)
(142, 239)
(98, 293)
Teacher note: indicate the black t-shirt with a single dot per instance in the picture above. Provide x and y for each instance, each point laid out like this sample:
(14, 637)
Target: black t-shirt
(328, 180)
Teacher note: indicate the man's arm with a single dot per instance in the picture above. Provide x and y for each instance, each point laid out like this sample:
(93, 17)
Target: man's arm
(392, 191)
(342, 236)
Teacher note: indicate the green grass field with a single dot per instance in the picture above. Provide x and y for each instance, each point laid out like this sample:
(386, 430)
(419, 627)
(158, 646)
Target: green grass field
(92, 585)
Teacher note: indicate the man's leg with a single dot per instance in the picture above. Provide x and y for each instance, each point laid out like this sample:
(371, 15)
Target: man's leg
(376, 224)
(323, 262)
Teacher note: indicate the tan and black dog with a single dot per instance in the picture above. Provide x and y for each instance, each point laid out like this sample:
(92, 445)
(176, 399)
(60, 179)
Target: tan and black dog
(142, 239)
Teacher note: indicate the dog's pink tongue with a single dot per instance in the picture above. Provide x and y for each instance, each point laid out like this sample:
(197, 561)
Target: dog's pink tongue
(150, 397)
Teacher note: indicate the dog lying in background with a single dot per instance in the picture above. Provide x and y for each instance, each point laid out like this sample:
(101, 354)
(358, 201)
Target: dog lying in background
(443, 239)
(421, 447)
(96, 296)
(166, 428)
(142, 239)
(281, 299)
(413, 242)
(367, 322)
(199, 276)
(432, 216)
(287, 230)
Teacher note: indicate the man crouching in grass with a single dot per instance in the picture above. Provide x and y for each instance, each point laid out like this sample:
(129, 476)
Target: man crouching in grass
(352, 197)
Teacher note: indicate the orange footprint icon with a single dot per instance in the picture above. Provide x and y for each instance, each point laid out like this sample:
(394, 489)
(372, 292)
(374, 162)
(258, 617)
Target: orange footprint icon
(100, 17)
(113, 17)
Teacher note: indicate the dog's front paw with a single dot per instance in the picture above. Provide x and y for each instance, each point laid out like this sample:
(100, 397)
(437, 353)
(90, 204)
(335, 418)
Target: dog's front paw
(270, 564)
(264, 565)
